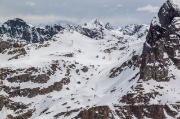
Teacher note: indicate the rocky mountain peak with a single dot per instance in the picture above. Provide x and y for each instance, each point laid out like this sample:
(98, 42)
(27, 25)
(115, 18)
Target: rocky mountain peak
(159, 65)
(19, 29)
(165, 23)
(17, 22)
(168, 11)
(109, 26)
(95, 23)
(138, 30)
(162, 42)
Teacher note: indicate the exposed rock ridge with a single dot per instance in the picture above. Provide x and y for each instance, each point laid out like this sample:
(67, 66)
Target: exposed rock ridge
(19, 29)
(162, 44)
(137, 30)
(161, 51)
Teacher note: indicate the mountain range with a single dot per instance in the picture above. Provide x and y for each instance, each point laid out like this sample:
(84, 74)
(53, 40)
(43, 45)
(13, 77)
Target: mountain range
(91, 71)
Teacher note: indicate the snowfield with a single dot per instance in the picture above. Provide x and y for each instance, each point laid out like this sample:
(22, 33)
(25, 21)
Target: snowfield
(94, 88)
(83, 68)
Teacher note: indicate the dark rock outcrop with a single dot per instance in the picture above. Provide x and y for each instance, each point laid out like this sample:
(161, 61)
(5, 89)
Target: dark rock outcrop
(141, 111)
(92, 33)
(108, 26)
(18, 29)
(167, 13)
(162, 44)
(101, 112)
(160, 50)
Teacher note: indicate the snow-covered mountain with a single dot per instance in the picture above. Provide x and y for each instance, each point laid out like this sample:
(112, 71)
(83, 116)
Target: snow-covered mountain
(91, 71)
(72, 71)
(17, 29)
(139, 31)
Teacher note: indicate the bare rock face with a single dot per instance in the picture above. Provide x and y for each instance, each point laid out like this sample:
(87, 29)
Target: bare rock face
(19, 29)
(96, 33)
(108, 26)
(162, 44)
(140, 111)
(4, 45)
(1, 102)
(161, 51)
(101, 112)
(167, 13)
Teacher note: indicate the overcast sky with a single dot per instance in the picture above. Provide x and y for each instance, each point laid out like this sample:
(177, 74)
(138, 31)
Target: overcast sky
(117, 12)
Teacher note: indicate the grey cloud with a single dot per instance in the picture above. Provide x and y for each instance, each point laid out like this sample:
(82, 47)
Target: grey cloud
(149, 8)
(30, 3)
(118, 12)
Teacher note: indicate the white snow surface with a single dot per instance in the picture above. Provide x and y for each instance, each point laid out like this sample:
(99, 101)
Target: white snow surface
(96, 88)
(87, 52)
(176, 4)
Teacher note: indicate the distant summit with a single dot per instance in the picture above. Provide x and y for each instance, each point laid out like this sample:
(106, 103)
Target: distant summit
(137, 30)
(17, 22)
(109, 26)
(17, 29)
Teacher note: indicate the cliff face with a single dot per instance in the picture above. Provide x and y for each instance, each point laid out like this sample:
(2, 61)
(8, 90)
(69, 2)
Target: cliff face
(17, 29)
(160, 63)
(162, 43)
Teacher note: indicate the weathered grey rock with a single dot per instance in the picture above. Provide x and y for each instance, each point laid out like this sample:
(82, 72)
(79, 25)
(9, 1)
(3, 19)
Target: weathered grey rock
(18, 29)
(163, 38)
